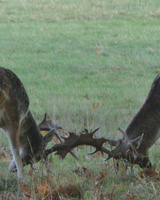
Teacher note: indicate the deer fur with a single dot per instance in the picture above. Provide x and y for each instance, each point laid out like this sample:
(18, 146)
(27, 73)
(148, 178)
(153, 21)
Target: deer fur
(26, 141)
(28, 144)
(142, 132)
(147, 122)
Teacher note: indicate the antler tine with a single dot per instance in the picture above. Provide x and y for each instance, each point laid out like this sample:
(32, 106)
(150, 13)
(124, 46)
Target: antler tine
(47, 124)
(123, 132)
(93, 132)
(45, 115)
(103, 150)
(96, 150)
(106, 151)
(85, 131)
(93, 152)
(42, 123)
(74, 155)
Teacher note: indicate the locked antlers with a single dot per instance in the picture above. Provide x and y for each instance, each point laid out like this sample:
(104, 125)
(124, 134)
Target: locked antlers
(84, 138)
(124, 147)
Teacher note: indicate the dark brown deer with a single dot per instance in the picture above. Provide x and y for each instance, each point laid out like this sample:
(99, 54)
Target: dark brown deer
(142, 132)
(27, 144)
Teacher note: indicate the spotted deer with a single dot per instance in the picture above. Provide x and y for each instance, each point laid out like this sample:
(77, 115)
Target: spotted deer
(27, 144)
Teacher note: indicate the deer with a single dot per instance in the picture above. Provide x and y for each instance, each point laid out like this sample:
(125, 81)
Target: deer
(142, 132)
(140, 135)
(27, 144)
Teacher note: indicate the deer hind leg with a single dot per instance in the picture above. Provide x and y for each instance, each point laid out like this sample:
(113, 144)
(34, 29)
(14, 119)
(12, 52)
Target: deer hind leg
(16, 163)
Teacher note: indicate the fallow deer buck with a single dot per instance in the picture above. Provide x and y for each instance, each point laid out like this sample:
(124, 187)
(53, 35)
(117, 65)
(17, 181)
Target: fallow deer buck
(27, 144)
(142, 132)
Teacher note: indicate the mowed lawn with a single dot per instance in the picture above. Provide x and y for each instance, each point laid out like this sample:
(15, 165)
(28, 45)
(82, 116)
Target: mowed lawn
(87, 64)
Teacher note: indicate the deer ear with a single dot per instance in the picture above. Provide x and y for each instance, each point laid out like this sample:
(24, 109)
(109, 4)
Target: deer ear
(137, 142)
(48, 137)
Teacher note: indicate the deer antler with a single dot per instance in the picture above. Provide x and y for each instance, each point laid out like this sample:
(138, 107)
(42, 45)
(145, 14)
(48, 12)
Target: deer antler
(47, 125)
(74, 140)
(124, 147)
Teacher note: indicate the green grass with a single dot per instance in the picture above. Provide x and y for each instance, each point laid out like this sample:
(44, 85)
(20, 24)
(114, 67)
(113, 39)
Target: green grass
(62, 50)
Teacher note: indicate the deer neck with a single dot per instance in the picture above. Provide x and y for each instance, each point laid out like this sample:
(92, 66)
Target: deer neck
(146, 121)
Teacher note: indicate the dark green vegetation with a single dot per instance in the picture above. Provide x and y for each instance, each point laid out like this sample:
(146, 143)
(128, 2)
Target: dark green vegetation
(64, 50)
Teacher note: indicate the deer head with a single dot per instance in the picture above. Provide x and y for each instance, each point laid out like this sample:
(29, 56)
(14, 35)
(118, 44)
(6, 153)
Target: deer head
(32, 142)
(125, 148)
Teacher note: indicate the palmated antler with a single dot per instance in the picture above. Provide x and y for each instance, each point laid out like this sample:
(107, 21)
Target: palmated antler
(124, 146)
(74, 140)
(47, 125)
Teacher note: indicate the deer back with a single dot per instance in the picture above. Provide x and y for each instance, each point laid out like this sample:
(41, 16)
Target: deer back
(12, 94)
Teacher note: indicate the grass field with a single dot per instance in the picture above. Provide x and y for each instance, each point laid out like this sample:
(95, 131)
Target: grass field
(87, 63)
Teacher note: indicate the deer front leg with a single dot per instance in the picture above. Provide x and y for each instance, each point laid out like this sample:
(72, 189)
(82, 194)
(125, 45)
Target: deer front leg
(12, 166)
(16, 163)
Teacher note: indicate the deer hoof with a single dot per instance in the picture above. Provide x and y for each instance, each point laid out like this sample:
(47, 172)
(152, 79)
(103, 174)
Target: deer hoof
(12, 166)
